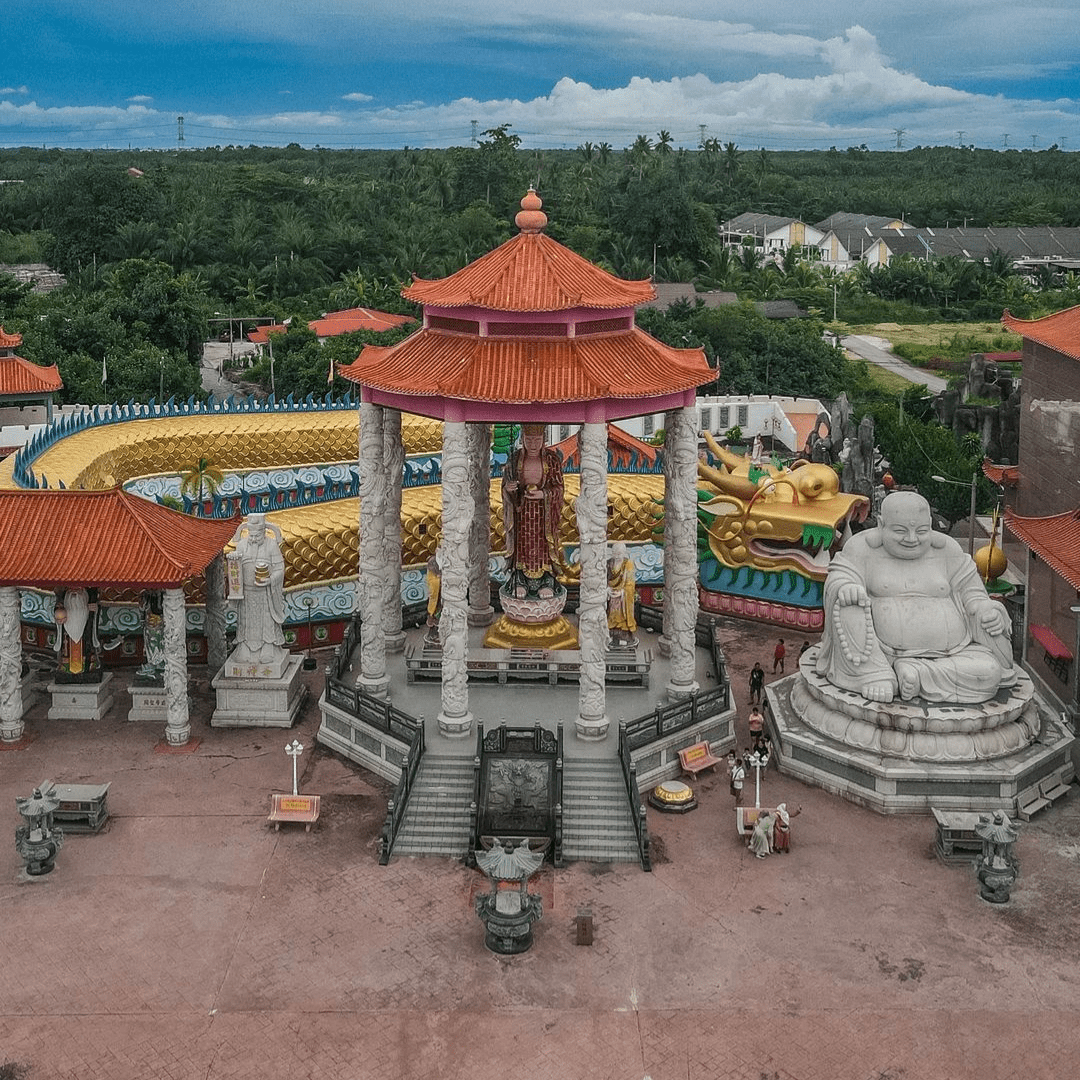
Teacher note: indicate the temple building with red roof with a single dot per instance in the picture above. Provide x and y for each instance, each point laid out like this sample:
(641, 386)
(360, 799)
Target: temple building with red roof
(64, 540)
(334, 323)
(1046, 511)
(22, 382)
(529, 333)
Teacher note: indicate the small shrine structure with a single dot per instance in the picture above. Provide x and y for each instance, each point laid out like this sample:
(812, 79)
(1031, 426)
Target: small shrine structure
(529, 333)
(22, 382)
(95, 539)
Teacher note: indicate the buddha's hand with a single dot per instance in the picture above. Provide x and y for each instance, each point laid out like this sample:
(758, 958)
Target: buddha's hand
(993, 618)
(851, 594)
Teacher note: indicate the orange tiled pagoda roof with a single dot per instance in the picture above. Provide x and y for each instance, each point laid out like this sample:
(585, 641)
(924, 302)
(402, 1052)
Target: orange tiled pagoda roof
(261, 334)
(1055, 539)
(622, 446)
(1060, 331)
(531, 272)
(9, 341)
(52, 539)
(1006, 475)
(431, 363)
(359, 318)
(19, 376)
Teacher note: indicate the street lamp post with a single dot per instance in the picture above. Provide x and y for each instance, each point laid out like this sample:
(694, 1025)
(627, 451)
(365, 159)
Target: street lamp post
(757, 762)
(971, 523)
(294, 750)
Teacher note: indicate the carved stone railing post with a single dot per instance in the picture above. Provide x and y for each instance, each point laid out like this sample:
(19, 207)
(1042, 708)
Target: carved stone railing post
(371, 586)
(215, 614)
(680, 530)
(455, 720)
(394, 462)
(481, 613)
(177, 723)
(11, 700)
(592, 722)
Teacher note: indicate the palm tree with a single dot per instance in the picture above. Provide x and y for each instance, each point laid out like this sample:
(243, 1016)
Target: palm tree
(663, 142)
(731, 161)
(203, 475)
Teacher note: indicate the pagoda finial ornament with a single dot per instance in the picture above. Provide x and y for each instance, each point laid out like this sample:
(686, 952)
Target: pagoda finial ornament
(530, 218)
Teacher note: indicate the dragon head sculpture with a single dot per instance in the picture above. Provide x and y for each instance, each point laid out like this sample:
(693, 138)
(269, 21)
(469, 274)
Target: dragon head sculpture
(774, 517)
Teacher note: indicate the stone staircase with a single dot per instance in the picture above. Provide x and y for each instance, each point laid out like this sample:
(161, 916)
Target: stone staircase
(597, 824)
(436, 820)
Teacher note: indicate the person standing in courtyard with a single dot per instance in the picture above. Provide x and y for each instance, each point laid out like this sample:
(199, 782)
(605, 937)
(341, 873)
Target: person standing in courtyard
(757, 683)
(738, 776)
(782, 828)
(760, 842)
(778, 657)
(756, 723)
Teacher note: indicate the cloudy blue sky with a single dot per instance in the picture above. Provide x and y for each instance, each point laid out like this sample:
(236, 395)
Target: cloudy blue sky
(785, 74)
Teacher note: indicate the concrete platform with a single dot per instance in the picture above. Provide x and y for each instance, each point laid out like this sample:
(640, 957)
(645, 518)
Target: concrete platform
(81, 701)
(893, 785)
(263, 702)
(188, 939)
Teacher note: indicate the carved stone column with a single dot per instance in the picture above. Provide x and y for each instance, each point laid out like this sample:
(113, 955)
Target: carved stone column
(11, 700)
(592, 721)
(215, 615)
(663, 642)
(680, 530)
(394, 462)
(455, 720)
(177, 724)
(371, 586)
(481, 613)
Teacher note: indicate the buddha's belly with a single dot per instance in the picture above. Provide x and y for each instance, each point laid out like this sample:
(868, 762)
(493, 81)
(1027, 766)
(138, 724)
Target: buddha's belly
(919, 625)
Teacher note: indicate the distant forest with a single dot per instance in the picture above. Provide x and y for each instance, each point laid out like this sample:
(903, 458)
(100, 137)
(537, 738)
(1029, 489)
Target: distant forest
(153, 244)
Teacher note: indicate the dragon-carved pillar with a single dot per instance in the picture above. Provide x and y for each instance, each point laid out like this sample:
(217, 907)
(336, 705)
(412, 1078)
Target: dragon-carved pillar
(680, 547)
(455, 720)
(592, 722)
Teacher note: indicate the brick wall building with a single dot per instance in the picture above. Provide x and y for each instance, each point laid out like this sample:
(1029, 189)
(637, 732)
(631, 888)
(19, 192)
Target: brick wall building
(1046, 510)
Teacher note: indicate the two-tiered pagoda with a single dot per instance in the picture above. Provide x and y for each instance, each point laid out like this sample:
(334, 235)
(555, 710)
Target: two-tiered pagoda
(530, 332)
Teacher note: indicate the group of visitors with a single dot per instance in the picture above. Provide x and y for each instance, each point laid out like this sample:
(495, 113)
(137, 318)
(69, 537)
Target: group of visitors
(772, 831)
(772, 827)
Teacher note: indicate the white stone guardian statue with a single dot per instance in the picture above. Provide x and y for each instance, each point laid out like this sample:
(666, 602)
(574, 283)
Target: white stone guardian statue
(256, 575)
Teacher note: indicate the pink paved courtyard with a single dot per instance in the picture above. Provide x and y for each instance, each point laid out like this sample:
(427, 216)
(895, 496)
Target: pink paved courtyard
(190, 940)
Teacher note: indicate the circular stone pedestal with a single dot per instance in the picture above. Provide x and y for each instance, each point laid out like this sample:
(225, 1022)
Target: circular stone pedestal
(532, 623)
(918, 730)
(673, 797)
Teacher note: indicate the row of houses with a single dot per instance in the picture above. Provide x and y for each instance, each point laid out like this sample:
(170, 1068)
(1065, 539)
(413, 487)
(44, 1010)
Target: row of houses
(843, 240)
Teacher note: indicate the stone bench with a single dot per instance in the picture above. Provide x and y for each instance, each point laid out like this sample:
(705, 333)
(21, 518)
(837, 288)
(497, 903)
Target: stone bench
(1057, 656)
(83, 807)
(302, 809)
(697, 758)
(955, 839)
(746, 817)
(1041, 795)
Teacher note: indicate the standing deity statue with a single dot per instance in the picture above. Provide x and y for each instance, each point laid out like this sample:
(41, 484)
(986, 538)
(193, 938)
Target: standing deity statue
(75, 613)
(532, 497)
(153, 634)
(256, 574)
(621, 580)
(434, 602)
(907, 616)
